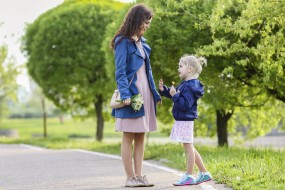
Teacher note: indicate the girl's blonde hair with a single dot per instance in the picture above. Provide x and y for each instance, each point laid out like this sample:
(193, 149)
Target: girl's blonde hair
(195, 62)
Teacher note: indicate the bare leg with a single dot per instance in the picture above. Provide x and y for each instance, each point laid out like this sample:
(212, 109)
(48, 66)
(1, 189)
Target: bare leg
(199, 161)
(126, 153)
(190, 157)
(138, 153)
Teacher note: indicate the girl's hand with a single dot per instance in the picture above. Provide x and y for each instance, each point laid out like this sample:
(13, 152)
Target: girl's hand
(160, 85)
(172, 91)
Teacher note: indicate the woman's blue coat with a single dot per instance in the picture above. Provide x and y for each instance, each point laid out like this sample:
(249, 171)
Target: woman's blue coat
(128, 60)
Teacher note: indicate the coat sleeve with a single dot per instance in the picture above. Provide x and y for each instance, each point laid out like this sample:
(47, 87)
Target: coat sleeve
(155, 93)
(121, 53)
(184, 100)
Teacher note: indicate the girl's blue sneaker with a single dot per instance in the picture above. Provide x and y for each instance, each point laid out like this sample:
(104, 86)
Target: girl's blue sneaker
(186, 179)
(203, 177)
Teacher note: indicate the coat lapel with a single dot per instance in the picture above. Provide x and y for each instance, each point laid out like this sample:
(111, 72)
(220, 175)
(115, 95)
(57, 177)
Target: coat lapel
(133, 49)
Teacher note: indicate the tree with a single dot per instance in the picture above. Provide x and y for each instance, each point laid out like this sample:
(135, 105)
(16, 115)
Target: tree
(172, 34)
(185, 26)
(249, 37)
(253, 39)
(65, 58)
(8, 74)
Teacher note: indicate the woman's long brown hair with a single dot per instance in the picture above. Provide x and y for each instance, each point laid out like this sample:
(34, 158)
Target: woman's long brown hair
(133, 21)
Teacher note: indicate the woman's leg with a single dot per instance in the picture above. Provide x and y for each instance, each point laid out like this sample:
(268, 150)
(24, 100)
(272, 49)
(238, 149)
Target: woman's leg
(138, 153)
(190, 157)
(126, 153)
(199, 161)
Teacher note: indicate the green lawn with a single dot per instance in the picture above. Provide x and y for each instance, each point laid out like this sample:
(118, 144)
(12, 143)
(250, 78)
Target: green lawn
(239, 168)
(29, 128)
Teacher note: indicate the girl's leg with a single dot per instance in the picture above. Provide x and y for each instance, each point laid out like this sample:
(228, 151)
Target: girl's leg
(190, 157)
(199, 161)
(138, 153)
(203, 174)
(126, 153)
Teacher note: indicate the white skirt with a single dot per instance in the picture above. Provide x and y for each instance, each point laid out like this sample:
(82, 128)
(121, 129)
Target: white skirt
(182, 131)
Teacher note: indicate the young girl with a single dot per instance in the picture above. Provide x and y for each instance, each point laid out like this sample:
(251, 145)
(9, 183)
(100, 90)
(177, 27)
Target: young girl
(184, 111)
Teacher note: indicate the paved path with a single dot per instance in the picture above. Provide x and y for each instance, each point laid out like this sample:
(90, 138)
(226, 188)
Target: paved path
(24, 167)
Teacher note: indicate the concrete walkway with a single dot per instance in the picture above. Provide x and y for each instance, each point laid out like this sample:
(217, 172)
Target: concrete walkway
(24, 167)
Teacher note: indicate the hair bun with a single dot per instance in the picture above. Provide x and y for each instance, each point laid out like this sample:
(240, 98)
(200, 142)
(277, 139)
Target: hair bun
(202, 61)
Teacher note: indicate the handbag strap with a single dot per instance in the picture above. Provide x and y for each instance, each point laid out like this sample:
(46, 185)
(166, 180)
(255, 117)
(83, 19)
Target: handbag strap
(130, 81)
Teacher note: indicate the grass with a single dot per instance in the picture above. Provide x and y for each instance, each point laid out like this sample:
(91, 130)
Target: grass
(239, 168)
(28, 128)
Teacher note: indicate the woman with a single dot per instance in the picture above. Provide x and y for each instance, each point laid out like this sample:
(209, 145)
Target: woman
(134, 76)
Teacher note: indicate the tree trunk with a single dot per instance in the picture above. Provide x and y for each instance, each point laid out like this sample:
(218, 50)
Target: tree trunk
(44, 115)
(100, 121)
(222, 126)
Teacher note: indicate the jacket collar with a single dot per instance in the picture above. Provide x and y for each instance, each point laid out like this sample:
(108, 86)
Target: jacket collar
(143, 39)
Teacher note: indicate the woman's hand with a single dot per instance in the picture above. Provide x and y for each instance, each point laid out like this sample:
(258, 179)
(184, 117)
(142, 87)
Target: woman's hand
(159, 102)
(127, 101)
(160, 85)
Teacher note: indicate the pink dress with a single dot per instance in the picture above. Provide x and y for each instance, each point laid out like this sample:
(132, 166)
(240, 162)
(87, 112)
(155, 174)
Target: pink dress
(147, 122)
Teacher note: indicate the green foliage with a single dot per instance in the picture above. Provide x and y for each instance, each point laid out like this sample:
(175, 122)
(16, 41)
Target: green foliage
(64, 53)
(249, 35)
(172, 34)
(227, 34)
(249, 75)
(8, 73)
(205, 125)
(256, 122)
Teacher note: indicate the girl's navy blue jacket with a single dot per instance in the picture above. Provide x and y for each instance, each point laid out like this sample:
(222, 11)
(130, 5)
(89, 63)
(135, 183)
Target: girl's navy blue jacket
(185, 102)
